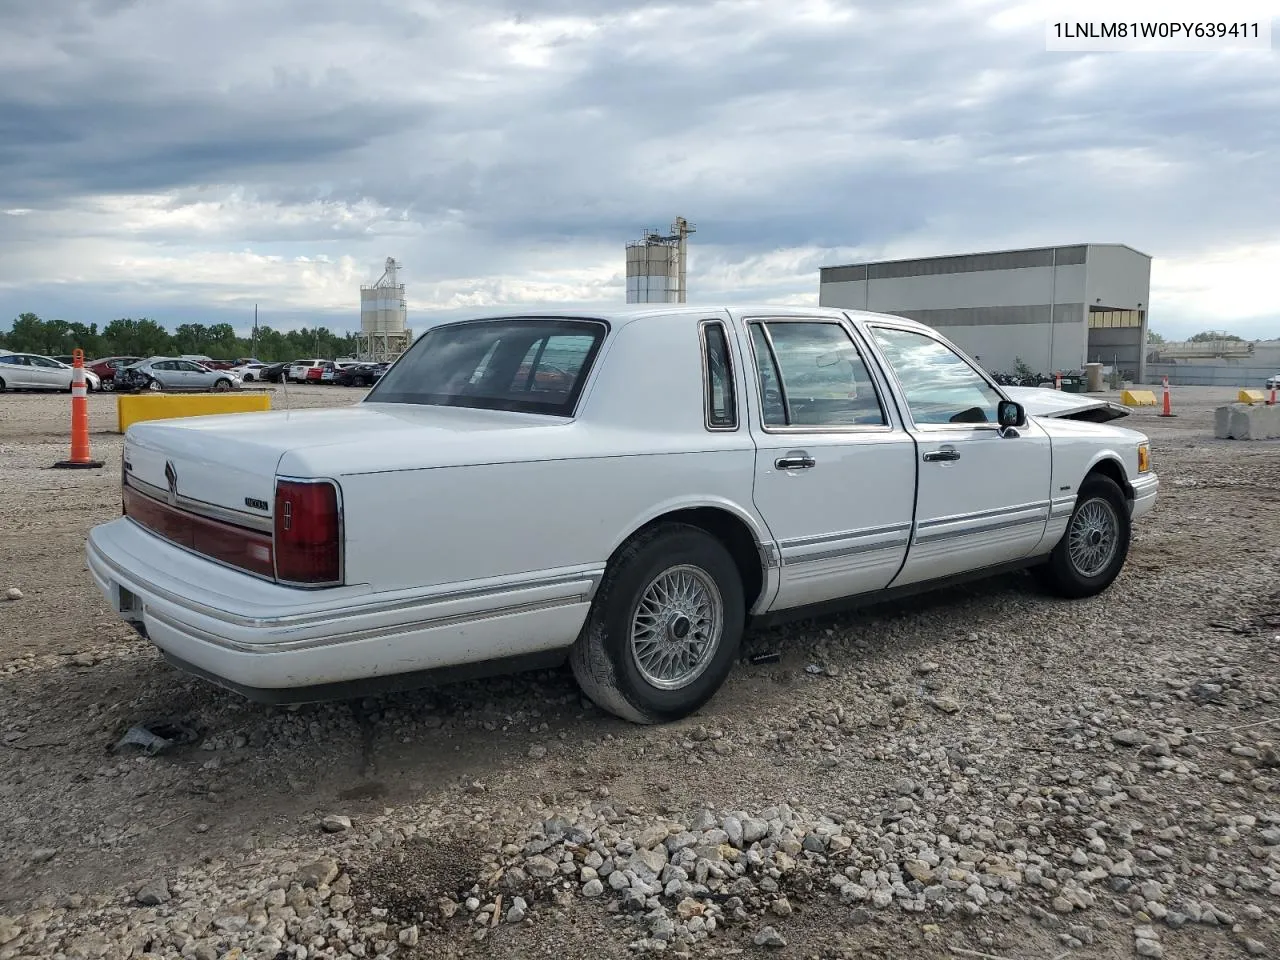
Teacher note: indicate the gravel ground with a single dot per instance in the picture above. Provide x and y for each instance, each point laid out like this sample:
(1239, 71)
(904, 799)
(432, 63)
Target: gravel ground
(981, 770)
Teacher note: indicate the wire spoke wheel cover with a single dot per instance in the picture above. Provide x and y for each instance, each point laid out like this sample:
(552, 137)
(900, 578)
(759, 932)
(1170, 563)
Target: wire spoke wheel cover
(676, 627)
(1093, 537)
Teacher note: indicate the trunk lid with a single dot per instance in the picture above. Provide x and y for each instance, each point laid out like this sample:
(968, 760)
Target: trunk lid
(230, 461)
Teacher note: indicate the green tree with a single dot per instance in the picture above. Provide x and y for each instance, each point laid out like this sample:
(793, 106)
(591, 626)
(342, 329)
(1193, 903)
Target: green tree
(1209, 335)
(1153, 337)
(142, 337)
(136, 338)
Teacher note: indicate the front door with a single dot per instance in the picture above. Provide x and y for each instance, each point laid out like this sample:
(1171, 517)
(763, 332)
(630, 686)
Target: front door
(984, 495)
(46, 373)
(835, 473)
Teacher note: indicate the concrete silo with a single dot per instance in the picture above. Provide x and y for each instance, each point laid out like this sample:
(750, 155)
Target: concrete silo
(656, 265)
(384, 333)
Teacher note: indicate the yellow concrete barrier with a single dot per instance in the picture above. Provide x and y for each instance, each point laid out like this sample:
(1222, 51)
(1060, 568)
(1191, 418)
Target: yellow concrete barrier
(1250, 396)
(1138, 398)
(131, 409)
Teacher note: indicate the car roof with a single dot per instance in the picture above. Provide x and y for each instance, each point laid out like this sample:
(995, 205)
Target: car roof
(631, 312)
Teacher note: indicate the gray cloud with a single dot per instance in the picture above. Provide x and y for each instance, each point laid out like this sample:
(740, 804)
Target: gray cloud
(501, 147)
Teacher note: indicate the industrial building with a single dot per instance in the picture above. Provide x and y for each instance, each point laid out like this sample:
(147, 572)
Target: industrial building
(1050, 308)
(384, 332)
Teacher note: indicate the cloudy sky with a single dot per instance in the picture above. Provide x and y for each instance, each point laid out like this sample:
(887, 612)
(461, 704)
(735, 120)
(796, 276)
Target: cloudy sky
(186, 160)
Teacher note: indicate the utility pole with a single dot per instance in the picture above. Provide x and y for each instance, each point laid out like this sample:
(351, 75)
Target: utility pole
(253, 347)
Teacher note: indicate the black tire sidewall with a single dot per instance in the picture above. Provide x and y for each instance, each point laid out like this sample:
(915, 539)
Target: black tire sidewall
(1070, 579)
(621, 591)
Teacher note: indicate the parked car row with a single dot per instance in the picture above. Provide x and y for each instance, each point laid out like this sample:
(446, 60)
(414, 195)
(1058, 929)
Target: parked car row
(344, 373)
(30, 371)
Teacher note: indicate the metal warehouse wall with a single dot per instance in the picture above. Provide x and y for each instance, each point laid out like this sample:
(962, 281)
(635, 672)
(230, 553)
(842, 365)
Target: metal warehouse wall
(997, 306)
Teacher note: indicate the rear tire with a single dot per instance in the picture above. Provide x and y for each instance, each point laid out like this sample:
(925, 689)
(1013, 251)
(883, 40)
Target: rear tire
(664, 628)
(1093, 550)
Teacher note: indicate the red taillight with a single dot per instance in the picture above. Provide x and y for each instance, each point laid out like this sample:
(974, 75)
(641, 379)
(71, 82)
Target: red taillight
(308, 532)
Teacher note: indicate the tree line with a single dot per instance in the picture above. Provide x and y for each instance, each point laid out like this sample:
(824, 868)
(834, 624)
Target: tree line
(128, 337)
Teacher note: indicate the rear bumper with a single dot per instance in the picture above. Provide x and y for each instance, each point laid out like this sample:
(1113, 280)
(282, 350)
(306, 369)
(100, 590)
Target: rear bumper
(247, 634)
(1145, 489)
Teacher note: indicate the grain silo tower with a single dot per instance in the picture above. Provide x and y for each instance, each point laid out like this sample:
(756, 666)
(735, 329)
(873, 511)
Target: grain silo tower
(656, 265)
(384, 334)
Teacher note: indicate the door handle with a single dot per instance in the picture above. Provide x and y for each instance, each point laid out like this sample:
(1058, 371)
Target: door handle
(937, 456)
(795, 463)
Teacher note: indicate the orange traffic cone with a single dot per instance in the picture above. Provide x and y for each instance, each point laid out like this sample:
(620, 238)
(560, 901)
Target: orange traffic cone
(1168, 407)
(1271, 402)
(1057, 380)
(80, 458)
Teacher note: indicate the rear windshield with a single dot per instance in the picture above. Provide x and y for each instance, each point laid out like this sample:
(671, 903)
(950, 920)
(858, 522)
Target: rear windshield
(527, 365)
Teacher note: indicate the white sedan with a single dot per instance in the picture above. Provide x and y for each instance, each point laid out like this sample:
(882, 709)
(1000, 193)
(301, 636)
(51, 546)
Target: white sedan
(628, 489)
(33, 371)
(248, 372)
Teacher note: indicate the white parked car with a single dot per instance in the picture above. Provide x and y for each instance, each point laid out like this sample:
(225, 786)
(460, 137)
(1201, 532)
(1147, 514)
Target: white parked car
(1273, 383)
(248, 372)
(628, 489)
(34, 371)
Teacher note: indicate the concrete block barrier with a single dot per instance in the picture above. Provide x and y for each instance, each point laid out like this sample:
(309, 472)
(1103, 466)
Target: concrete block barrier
(131, 409)
(1243, 421)
(1138, 398)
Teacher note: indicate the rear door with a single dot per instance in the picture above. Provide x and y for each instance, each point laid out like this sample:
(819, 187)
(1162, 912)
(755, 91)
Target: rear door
(984, 495)
(835, 469)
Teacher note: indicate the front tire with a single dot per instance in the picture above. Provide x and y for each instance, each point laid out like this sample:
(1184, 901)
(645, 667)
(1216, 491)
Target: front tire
(1094, 547)
(664, 628)
(222, 386)
(154, 385)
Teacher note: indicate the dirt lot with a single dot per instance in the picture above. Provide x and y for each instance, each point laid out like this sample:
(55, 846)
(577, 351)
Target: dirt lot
(984, 770)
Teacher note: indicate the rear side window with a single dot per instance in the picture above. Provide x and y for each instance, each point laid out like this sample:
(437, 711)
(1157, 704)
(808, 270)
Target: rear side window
(528, 365)
(721, 404)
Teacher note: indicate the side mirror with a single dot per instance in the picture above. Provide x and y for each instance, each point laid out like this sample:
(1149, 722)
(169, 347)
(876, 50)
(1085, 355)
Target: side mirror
(1010, 414)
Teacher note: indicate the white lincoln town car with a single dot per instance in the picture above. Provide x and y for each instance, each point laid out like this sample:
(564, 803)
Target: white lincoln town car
(629, 490)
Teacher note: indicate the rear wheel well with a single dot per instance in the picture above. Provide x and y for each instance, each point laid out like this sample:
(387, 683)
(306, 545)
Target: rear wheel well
(1112, 469)
(729, 530)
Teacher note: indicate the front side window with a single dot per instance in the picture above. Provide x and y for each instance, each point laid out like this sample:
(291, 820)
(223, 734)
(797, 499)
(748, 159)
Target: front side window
(939, 385)
(721, 403)
(811, 375)
(528, 365)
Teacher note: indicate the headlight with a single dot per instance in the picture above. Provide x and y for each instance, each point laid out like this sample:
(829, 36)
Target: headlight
(1144, 457)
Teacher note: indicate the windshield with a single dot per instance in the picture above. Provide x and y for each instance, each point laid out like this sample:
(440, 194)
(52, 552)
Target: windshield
(528, 365)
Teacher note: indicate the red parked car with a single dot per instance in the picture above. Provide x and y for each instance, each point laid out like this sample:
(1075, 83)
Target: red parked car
(107, 367)
(322, 372)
